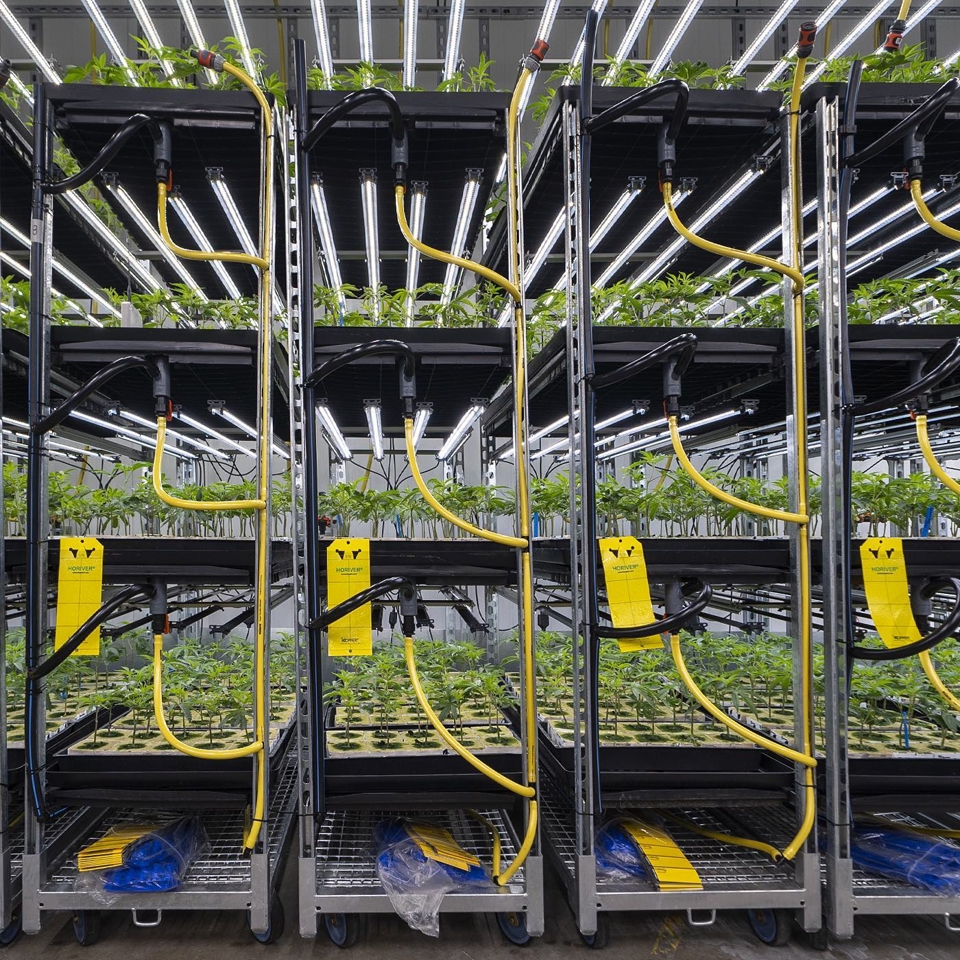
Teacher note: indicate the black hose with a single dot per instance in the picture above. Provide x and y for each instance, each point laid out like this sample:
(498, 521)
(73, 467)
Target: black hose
(685, 345)
(946, 629)
(358, 600)
(669, 624)
(374, 348)
(108, 610)
(107, 152)
(101, 377)
(638, 99)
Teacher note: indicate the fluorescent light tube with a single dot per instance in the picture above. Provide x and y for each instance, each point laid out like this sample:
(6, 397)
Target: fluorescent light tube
(420, 421)
(371, 410)
(229, 205)
(828, 13)
(468, 202)
(689, 425)
(766, 32)
(153, 36)
(109, 38)
(190, 222)
(365, 28)
(210, 432)
(335, 438)
(460, 432)
(140, 438)
(368, 197)
(451, 59)
(676, 35)
(249, 430)
(43, 65)
(175, 434)
(545, 248)
(325, 228)
(240, 33)
(848, 40)
(324, 50)
(411, 15)
(620, 207)
(640, 17)
(418, 202)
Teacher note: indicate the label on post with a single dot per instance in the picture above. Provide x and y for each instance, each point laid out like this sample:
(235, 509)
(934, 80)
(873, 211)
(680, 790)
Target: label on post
(348, 572)
(887, 590)
(79, 591)
(628, 589)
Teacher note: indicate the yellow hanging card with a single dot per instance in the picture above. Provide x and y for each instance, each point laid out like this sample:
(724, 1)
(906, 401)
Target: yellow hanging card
(348, 572)
(888, 594)
(628, 590)
(79, 591)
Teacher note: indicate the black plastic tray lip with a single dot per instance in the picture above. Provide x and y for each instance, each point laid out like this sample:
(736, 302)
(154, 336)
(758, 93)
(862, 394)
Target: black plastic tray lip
(200, 560)
(887, 100)
(202, 109)
(486, 108)
(76, 344)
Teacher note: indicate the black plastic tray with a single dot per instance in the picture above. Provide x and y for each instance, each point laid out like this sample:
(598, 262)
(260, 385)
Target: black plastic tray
(882, 784)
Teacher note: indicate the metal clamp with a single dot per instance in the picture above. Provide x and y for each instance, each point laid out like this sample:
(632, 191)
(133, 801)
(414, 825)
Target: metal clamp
(702, 923)
(137, 922)
(952, 927)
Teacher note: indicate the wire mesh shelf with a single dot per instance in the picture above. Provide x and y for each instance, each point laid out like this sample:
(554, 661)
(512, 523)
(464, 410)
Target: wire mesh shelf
(346, 859)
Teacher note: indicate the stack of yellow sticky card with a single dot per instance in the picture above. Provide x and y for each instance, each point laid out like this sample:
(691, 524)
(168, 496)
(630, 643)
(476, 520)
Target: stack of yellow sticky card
(435, 843)
(671, 868)
(108, 850)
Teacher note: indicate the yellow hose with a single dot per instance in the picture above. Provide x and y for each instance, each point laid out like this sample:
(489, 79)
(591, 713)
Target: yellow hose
(724, 251)
(766, 848)
(494, 837)
(916, 191)
(169, 498)
(701, 481)
(923, 438)
(168, 734)
(512, 287)
(931, 671)
(440, 508)
(252, 832)
(451, 741)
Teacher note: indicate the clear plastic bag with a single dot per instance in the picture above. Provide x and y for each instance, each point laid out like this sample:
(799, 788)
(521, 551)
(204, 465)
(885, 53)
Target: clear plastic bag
(910, 857)
(416, 884)
(153, 863)
(617, 855)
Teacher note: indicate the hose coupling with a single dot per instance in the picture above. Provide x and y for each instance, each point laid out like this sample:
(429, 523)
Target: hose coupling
(162, 387)
(408, 387)
(409, 610)
(666, 154)
(163, 152)
(400, 159)
(808, 34)
(210, 60)
(531, 61)
(914, 153)
(158, 606)
(895, 37)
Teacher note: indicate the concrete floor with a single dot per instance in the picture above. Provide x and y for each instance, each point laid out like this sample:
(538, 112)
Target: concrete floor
(199, 936)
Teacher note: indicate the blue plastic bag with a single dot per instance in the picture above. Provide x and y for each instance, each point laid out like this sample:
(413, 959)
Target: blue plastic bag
(158, 861)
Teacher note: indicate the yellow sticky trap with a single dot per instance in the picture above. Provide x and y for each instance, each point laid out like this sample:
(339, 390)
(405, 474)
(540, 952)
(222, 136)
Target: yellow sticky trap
(79, 591)
(438, 844)
(628, 590)
(671, 868)
(888, 595)
(348, 572)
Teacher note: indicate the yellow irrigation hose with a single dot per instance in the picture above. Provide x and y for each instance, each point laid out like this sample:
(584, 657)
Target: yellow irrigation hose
(187, 254)
(724, 251)
(801, 517)
(916, 191)
(171, 500)
(252, 832)
(451, 741)
(931, 671)
(512, 287)
(701, 481)
(440, 508)
(933, 463)
(168, 734)
(494, 837)
(766, 848)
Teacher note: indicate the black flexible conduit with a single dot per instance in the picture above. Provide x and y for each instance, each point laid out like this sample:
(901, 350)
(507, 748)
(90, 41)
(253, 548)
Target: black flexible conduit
(647, 95)
(685, 345)
(102, 376)
(374, 348)
(669, 624)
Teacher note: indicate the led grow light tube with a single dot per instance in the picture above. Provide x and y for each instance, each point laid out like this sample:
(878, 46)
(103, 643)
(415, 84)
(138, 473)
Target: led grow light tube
(365, 29)
(914, 20)
(109, 38)
(546, 247)
(411, 17)
(21, 436)
(619, 208)
(766, 32)
(130, 434)
(183, 438)
(153, 37)
(451, 59)
(240, 33)
(420, 421)
(644, 443)
(887, 219)
(828, 13)
(210, 432)
(848, 40)
(22, 269)
(324, 50)
(325, 228)
(43, 65)
(371, 410)
(460, 432)
(335, 438)
(190, 222)
(136, 214)
(222, 411)
(538, 435)
(676, 35)
(371, 234)
(640, 17)
(418, 202)
(874, 254)
(229, 205)
(196, 34)
(458, 246)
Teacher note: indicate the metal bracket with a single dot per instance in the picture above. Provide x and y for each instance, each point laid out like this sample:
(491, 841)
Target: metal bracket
(137, 922)
(711, 914)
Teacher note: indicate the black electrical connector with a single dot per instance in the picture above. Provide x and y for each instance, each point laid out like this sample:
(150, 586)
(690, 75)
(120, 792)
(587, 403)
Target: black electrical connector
(423, 617)
(410, 610)
(543, 618)
(376, 617)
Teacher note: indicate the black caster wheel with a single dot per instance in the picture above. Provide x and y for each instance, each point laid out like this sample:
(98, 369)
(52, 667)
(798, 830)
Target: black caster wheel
(274, 930)
(598, 940)
(772, 927)
(86, 927)
(11, 933)
(514, 927)
(343, 929)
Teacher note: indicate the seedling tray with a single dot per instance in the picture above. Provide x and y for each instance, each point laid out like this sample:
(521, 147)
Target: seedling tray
(880, 784)
(135, 777)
